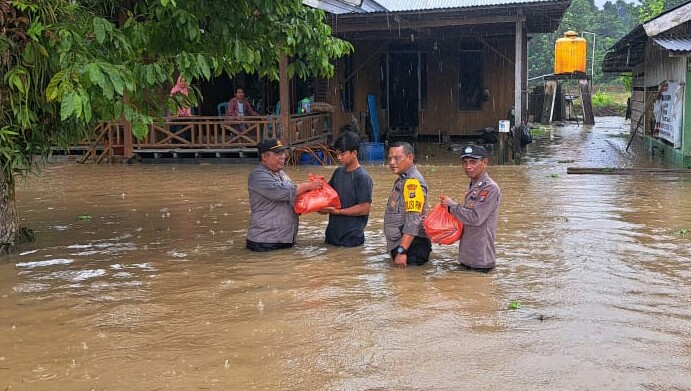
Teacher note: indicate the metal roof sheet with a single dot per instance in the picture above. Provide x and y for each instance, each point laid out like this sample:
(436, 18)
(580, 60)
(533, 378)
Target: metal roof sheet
(419, 5)
(676, 45)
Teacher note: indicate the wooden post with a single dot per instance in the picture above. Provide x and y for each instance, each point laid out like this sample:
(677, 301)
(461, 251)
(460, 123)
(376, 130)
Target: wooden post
(518, 85)
(502, 152)
(548, 102)
(284, 92)
(127, 141)
(588, 117)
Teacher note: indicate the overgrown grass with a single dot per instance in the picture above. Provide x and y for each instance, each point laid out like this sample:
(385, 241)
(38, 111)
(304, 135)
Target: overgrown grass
(607, 103)
(602, 99)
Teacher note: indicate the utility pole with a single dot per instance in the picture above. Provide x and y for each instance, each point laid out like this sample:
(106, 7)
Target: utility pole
(592, 56)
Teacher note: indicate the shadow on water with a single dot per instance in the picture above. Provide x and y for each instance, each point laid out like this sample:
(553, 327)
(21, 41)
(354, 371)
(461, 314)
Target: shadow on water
(156, 290)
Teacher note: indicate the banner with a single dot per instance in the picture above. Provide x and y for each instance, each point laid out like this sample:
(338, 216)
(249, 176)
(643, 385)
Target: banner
(668, 111)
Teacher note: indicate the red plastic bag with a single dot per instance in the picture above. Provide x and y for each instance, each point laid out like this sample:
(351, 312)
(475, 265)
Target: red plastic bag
(442, 227)
(318, 199)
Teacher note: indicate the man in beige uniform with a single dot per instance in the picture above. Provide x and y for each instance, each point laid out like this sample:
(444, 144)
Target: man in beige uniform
(273, 222)
(406, 239)
(479, 212)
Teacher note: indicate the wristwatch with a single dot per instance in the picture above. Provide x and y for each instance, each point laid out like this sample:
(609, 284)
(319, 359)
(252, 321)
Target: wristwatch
(401, 250)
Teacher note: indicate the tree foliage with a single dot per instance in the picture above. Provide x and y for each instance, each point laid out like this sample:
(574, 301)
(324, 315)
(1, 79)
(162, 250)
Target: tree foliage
(66, 64)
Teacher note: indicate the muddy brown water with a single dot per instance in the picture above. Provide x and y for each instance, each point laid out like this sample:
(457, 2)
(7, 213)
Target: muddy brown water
(156, 290)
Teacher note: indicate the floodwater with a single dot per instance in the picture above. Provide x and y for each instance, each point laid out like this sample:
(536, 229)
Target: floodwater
(156, 291)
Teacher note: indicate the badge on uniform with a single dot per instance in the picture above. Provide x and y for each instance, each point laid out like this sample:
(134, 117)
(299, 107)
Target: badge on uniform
(483, 196)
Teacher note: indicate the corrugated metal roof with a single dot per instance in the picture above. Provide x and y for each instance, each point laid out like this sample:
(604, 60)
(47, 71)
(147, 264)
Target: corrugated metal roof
(419, 5)
(676, 45)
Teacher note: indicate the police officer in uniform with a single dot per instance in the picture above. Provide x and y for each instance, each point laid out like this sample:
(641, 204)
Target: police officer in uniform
(273, 222)
(479, 212)
(406, 239)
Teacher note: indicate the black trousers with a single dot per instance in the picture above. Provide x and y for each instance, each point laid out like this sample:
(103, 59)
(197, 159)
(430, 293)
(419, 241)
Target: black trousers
(418, 252)
(263, 247)
(475, 269)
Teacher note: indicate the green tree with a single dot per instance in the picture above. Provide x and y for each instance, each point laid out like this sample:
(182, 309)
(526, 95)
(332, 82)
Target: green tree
(608, 24)
(69, 63)
(650, 9)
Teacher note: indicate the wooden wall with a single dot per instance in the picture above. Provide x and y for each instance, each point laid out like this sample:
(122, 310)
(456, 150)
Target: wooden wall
(442, 112)
(443, 78)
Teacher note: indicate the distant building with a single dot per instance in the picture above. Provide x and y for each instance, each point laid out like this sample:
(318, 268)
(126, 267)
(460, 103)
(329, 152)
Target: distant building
(657, 55)
(434, 67)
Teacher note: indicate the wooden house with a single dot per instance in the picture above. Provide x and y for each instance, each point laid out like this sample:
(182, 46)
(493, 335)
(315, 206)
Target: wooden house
(438, 67)
(428, 68)
(656, 53)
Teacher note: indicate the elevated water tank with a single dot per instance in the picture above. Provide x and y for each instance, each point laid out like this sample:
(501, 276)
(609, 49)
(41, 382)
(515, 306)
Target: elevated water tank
(570, 54)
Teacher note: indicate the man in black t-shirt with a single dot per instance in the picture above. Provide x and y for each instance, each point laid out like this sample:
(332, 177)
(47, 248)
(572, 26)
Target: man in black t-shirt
(354, 187)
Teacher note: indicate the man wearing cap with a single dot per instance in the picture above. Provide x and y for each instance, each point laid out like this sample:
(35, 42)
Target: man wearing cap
(273, 222)
(479, 212)
(406, 239)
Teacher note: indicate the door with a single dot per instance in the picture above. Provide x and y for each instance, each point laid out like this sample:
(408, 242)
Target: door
(404, 90)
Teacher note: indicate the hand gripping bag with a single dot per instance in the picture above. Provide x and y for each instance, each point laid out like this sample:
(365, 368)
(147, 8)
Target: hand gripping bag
(318, 199)
(442, 227)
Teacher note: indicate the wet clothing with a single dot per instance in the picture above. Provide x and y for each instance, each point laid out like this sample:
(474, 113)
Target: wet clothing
(405, 207)
(418, 253)
(353, 188)
(479, 214)
(263, 247)
(272, 220)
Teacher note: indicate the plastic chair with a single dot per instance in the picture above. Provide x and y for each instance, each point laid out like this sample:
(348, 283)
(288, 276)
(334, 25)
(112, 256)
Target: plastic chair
(222, 108)
(276, 114)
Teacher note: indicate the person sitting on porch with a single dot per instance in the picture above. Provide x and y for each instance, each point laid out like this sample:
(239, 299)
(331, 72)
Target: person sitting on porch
(239, 106)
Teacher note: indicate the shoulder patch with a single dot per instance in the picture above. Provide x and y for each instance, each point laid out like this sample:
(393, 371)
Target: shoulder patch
(413, 195)
(483, 196)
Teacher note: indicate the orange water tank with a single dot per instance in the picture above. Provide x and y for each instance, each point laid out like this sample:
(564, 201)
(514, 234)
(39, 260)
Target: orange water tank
(570, 54)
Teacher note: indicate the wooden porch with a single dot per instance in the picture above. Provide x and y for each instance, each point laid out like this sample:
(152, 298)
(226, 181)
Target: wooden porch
(195, 136)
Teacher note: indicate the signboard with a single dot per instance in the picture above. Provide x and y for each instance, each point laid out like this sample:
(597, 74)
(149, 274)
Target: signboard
(668, 111)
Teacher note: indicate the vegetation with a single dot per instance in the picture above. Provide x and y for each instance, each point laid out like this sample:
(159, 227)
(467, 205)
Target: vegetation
(606, 104)
(69, 63)
(606, 26)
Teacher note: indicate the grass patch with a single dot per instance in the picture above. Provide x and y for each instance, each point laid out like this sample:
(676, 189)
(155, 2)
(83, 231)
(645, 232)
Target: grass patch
(606, 103)
(539, 131)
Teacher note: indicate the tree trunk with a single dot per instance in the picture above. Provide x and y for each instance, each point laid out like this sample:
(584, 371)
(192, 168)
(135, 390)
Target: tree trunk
(8, 216)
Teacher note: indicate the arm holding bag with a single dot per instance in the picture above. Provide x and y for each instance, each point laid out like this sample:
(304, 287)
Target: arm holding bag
(318, 199)
(442, 227)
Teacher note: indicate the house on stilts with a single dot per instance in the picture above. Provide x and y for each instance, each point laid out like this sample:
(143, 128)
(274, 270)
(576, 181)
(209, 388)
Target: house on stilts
(427, 69)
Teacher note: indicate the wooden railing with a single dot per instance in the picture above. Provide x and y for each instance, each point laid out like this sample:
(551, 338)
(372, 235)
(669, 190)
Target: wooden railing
(205, 133)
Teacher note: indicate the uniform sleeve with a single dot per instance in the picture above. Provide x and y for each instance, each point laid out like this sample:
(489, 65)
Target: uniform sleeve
(416, 202)
(480, 209)
(269, 187)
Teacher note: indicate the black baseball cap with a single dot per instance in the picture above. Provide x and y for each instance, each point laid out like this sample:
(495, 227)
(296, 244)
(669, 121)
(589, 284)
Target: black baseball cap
(271, 144)
(473, 151)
